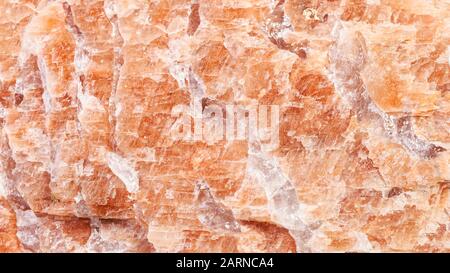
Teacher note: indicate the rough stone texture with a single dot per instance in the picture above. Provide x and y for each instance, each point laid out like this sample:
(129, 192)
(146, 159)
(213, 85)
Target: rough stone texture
(87, 90)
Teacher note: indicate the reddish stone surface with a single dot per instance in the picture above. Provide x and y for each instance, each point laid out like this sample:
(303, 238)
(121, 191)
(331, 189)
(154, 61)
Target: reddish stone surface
(87, 93)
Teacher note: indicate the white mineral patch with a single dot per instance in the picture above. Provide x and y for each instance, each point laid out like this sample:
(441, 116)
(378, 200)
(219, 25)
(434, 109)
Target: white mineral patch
(170, 194)
(373, 2)
(362, 242)
(27, 225)
(124, 171)
(90, 103)
(78, 198)
(2, 185)
(179, 73)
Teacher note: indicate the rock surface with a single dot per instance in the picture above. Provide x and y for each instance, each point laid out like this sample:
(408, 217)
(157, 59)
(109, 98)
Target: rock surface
(87, 97)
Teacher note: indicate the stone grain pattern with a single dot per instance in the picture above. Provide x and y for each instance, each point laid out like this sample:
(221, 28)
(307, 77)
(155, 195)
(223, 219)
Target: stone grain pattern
(87, 89)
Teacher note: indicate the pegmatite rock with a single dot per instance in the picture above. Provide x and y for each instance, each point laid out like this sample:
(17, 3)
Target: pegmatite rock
(127, 126)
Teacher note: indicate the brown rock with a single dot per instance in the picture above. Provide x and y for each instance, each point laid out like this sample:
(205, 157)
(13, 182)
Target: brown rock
(93, 93)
